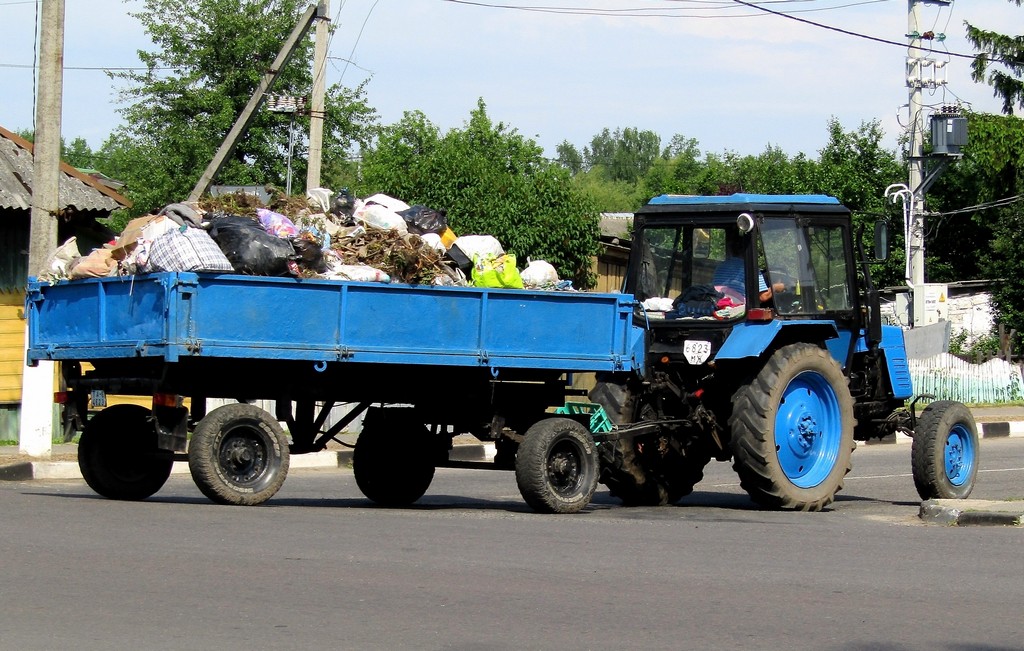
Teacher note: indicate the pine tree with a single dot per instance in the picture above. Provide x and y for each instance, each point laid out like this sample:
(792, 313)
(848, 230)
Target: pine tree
(1000, 64)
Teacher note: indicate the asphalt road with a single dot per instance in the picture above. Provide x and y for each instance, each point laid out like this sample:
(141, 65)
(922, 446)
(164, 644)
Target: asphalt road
(471, 568)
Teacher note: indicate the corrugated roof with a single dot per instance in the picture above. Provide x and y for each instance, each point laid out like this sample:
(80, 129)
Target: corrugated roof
(77, 190)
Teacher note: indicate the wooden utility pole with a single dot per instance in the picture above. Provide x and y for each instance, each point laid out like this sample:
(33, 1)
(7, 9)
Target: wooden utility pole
(249, 112)
(317, 104)
(35, 436)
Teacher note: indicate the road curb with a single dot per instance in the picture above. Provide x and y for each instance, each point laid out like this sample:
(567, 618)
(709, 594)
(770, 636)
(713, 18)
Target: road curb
(27, 470)
(965, 513)
(993, 430)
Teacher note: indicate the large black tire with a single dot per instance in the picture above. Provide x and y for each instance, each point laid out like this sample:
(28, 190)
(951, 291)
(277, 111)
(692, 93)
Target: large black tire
(556, 466)
(642, 477)
(394, 458)
(792, 430)
(118, 454)
(239, 455)
(945, 451)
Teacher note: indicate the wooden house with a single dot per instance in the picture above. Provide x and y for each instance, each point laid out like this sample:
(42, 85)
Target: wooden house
(83, 200)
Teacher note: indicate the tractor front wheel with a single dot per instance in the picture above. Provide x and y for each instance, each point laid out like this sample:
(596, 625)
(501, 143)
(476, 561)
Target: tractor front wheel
(945, 451)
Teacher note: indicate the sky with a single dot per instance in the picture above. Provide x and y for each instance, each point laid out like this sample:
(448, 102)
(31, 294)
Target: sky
(732, 77)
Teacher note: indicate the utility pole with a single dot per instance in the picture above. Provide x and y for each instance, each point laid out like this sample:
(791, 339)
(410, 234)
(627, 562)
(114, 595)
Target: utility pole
(316, 105)
(35, 436)
(915, 81)
(948, 133)
(247, 115)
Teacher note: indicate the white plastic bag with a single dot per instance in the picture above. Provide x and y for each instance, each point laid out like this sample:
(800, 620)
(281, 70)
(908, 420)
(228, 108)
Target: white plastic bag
(379, 216)
(319, 199)
(392, 204)
(357, 272)
(59, 261)
(433, 240)
(479, 246)
(658, 304)
(539, 273)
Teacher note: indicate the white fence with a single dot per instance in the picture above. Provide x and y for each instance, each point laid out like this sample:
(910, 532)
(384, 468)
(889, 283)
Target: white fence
(950, 378)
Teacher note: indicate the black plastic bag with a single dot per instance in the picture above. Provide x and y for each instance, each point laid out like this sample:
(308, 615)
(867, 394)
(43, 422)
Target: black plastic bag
(421, 219)
(249, 248)
(309, 255)
(343, 205)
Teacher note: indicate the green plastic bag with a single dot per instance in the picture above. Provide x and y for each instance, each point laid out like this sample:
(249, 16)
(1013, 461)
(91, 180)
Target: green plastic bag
(500, 271)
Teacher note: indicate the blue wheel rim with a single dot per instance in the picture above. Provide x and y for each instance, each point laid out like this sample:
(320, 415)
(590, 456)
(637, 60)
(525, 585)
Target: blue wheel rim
(808, 430)
(959, 455)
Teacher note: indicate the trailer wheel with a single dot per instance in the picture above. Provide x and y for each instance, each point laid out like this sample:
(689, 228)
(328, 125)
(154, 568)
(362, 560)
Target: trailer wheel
(557, 467)
(238, 455)
(393, 461)
(118, 454)
(792, 430)
(945, 451)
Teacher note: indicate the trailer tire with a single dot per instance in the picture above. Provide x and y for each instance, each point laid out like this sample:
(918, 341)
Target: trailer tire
(792, 430)
(945, 451)
(238, 455)
(557, 466)
(393, 461)
(118, 454)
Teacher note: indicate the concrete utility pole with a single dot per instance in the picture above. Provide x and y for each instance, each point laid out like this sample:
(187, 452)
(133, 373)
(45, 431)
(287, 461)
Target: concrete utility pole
(915, 81)
(35, 436)
(316, 105)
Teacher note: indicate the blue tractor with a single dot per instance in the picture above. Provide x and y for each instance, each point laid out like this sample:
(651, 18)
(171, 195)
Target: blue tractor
(765, 346)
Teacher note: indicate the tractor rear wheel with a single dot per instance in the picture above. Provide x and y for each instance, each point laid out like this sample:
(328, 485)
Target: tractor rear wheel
(647, 471)
(792, 430)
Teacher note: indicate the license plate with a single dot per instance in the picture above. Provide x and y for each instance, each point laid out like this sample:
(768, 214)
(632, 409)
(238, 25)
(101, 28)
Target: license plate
(696, 351)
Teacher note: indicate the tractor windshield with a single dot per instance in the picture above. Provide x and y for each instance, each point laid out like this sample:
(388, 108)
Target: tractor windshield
(807, 265)
(693, 271)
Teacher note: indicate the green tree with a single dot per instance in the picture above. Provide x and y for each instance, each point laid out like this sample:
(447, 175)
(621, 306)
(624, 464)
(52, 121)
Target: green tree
(994, 159)
(1000, 64)
(77, 154)
(208, 59)
(624, 155)
(610, 196)
(855, 168)
(490, 180)
(569, 157)
(958, 245)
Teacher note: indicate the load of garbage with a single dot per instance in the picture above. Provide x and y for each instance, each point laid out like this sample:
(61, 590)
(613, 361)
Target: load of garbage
(324, 235)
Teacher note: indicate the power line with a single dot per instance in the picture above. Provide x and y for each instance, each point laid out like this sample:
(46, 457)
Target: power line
(998, 203)
(844, 31)
(656, 12)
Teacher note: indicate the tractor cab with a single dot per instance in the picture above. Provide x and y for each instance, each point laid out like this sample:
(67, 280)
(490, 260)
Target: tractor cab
(721, 260)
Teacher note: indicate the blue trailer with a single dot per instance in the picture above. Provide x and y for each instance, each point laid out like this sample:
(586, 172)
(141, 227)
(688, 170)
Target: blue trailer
(427, 363)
